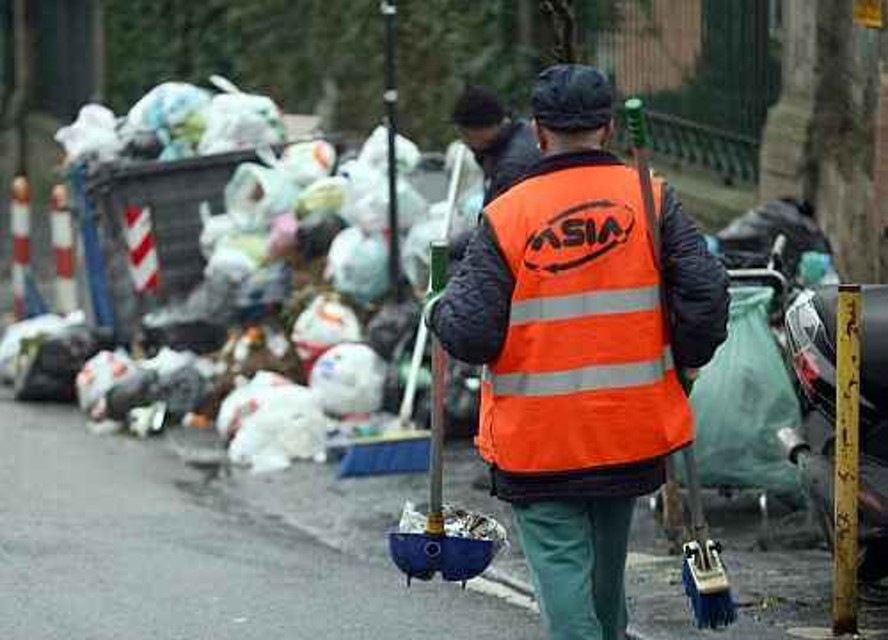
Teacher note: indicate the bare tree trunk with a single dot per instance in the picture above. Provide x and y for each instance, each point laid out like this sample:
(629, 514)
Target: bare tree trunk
(820, 142)
(563, 20)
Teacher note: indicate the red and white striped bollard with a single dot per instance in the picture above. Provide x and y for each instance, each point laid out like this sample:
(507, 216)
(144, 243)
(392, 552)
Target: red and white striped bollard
(143, 262)
(20, 214)
(63, 251)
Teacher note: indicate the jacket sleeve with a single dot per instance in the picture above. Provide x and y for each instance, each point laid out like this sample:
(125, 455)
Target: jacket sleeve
(471, 317)
(696, 287)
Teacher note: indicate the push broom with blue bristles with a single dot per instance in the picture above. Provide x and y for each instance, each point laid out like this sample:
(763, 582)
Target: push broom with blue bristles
(703, 573)
(406, 448)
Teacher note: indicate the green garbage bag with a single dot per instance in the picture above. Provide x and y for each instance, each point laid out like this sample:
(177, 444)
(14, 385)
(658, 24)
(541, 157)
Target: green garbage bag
(742, 398)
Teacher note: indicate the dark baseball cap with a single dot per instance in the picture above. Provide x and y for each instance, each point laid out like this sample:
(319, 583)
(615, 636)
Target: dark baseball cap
(572, 97)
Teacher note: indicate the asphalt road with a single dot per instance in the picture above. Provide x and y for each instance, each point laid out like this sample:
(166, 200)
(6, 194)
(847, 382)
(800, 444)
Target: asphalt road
(110, 537)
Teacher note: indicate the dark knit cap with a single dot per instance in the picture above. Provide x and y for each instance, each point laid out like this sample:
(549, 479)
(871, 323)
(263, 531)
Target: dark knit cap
(572, 97)
(477, 107)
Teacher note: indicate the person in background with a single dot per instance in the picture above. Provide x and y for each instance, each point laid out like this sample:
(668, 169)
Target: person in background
(559, 295)
(504, 148)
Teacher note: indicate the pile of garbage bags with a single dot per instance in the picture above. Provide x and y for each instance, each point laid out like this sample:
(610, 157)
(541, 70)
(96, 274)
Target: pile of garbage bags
(41, 357)
(175, 120)
(291, 340)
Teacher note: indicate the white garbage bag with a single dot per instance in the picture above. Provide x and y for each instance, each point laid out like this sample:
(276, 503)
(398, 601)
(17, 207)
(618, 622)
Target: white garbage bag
(237, 403)
(362, 179)
(284, 423)
(174, 112)
(472, 174)
(375, 152)
(99, 375)
(270, 421)
(240, 121)
(256, 194)
(359, 265)
(48, 325)
(306, 162)
(214, 229)
(371, 210)
(93, 133)
(237, 257)
(466, 214)
(166, 106)
(325, 323)
(415, 255)
(344, 244)
(167, 362)
(469, 209)
(348, 379)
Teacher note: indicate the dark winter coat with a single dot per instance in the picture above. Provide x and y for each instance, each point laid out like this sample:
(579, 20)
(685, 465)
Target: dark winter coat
(511, 156)
(471, 320)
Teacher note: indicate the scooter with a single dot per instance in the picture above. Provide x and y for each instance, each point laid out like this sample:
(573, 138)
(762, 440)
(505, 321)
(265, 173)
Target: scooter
(811, 341)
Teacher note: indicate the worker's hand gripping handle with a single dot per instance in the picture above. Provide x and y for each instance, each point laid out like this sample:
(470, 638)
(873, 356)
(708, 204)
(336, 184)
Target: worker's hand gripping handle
(437, 282)
(439, 260)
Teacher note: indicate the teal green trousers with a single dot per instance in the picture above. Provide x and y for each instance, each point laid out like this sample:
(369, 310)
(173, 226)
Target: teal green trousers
(577, 556)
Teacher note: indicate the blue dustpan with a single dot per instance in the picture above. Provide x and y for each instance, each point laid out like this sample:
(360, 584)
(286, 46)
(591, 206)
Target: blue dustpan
(421, 556)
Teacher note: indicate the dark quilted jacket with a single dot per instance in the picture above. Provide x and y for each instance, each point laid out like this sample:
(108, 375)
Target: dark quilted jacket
(472, 317)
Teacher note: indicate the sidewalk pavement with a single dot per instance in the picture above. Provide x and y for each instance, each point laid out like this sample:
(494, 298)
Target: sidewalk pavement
(781, 592)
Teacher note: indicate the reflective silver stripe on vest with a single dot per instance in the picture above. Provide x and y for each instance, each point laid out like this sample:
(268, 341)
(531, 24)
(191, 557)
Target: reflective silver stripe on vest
(594, 378)
(585, 304)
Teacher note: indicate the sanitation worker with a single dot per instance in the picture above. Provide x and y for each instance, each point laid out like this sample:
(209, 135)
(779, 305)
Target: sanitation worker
(559, 296)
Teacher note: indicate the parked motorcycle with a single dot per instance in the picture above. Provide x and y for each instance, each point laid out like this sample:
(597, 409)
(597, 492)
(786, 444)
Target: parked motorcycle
(811, 337)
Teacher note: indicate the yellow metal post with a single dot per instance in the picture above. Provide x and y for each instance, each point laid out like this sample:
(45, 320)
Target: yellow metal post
(847, 459)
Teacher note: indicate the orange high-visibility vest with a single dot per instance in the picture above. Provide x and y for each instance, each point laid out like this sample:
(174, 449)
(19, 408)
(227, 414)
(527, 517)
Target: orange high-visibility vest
(585, 378)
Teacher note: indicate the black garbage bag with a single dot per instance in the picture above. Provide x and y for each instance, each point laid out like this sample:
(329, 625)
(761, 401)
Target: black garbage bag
(64, 354)
(140, 390)
(183, 391)
(48, 366)
(747, 241)
(392, 324)
(35, 385)
(316, 233)
(199, 336)
(198, 323)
